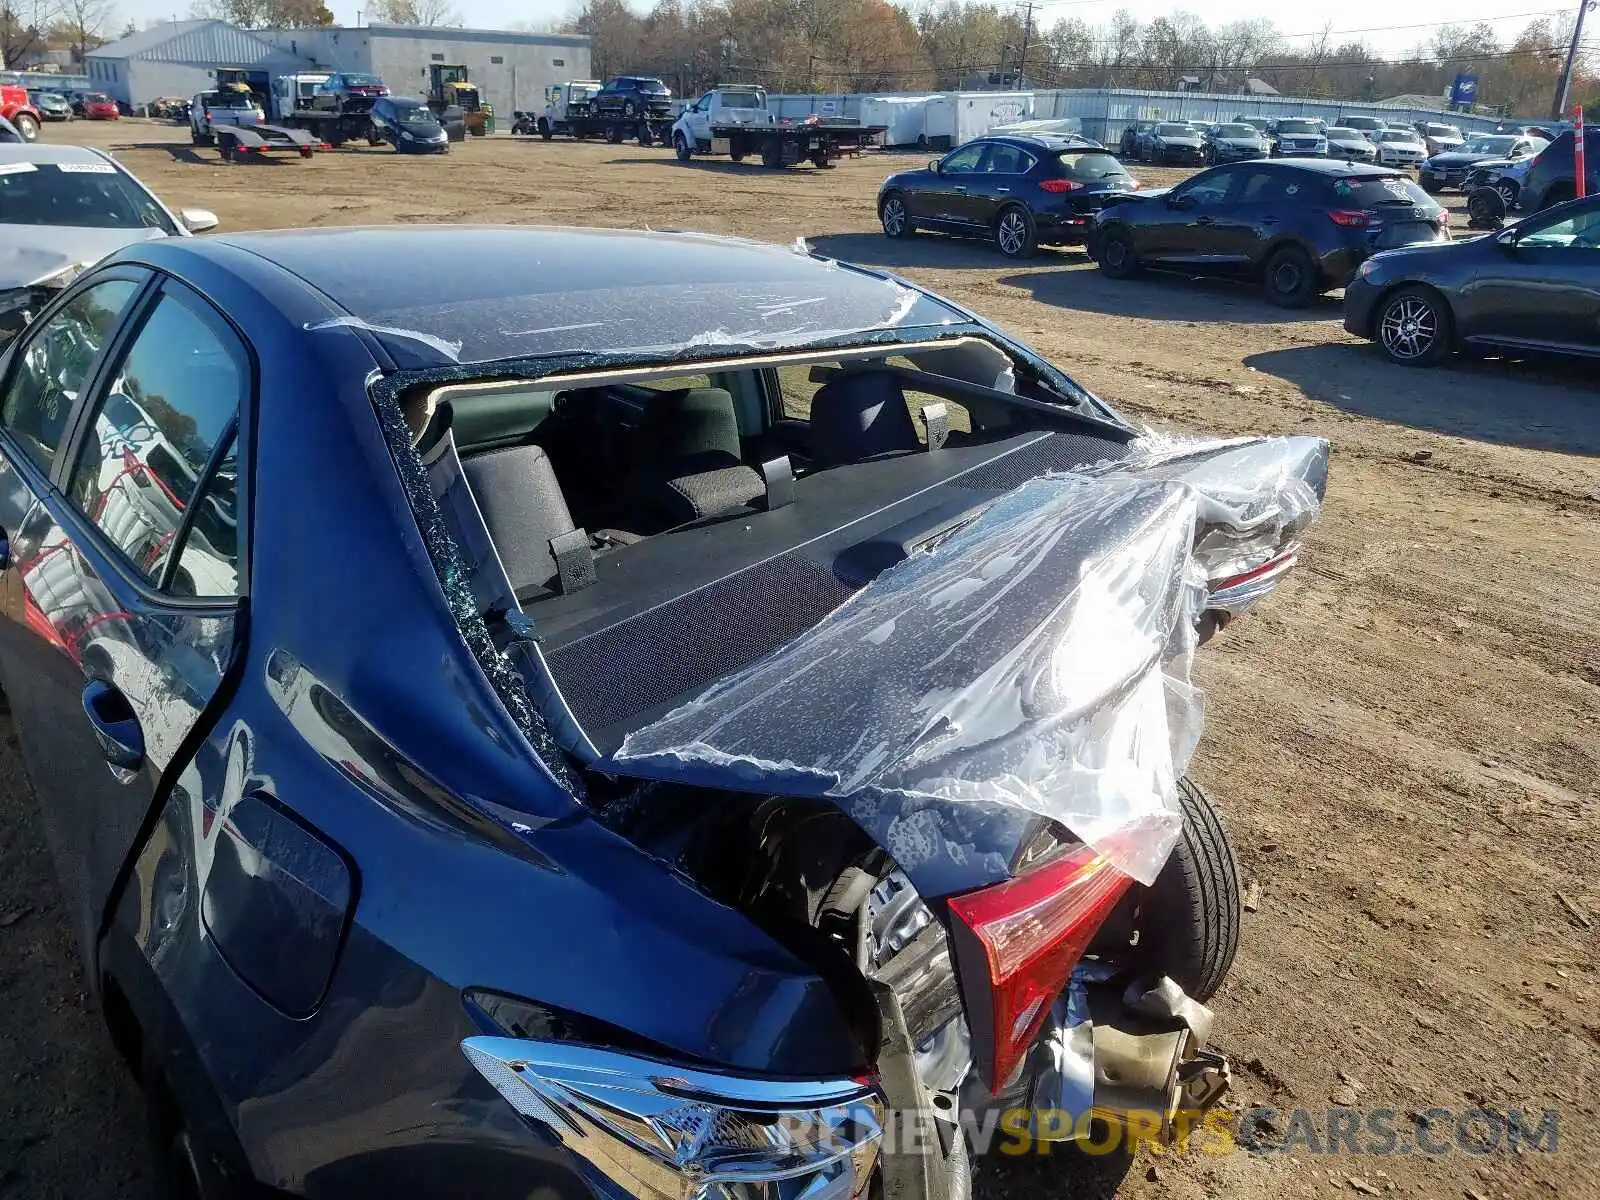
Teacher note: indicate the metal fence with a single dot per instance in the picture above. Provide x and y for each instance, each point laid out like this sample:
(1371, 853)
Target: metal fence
(44, 82)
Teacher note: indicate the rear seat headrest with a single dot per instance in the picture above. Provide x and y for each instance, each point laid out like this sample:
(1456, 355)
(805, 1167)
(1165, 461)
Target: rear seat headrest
(690, 429)
(859, 415)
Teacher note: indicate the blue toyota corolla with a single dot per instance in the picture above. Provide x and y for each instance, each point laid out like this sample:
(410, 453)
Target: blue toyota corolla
(574, 713)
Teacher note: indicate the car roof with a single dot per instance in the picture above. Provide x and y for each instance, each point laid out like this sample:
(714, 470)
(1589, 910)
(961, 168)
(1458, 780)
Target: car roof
(1336, 166)
(439, 296)
(1044, 141)
(39, 152)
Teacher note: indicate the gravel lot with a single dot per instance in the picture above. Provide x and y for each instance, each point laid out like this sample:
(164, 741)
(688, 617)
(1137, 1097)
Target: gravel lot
(1406, 740)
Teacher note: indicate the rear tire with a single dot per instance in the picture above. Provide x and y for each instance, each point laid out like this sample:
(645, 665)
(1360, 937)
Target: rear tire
(614, 134)
(1414, 328)
(1290, 278)
(1015, 234)
(1556, 193)
(544, 129)
(26, 126)
(1196, 902)
(681, 147)
(1115, 255)
(1430, 186)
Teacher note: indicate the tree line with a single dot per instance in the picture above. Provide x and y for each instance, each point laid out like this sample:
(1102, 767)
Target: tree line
(874, 45)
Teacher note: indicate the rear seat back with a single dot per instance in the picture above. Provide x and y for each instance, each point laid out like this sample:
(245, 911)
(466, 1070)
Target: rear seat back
(690, 463)
(858, 416)
(523, 509)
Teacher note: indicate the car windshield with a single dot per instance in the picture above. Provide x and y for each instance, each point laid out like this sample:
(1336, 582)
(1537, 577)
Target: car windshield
(1090, 166)
(1297, 127)
(652, 87)
(1337, 134)
(96, 98)
(84, 195)
(1396, 135)
(230, 100)
(414, 114)
(1173, 131)
(362, 81)
(741, 99)
(1443, 131)
(1491, 145)
(1236, 131)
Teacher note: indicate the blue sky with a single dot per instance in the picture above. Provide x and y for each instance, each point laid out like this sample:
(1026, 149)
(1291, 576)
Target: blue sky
(1355, 15)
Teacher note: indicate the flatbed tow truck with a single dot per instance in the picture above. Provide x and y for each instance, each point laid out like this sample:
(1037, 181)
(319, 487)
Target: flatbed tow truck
(230, 119)
(736, 121)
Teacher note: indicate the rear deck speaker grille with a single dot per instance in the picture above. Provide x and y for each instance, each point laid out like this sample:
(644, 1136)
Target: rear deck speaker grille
(682, 646)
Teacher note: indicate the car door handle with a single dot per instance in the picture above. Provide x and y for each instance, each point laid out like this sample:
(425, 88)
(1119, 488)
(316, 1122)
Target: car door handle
(116, 728)
(960, 191)
(1003, 191)
(1205, 221)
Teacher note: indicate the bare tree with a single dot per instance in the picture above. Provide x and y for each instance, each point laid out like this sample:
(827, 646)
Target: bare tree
(85, 21)
(23, 26)
(413, 12)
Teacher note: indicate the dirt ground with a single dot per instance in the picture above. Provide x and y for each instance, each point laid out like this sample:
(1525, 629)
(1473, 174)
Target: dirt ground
(1405, 740)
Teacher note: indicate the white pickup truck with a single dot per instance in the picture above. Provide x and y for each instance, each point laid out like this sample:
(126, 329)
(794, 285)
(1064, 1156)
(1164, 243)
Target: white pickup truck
(737, 122)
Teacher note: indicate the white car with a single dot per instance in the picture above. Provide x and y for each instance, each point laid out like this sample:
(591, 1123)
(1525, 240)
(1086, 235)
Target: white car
(63, 208)
(1399, 148)
(228, 106)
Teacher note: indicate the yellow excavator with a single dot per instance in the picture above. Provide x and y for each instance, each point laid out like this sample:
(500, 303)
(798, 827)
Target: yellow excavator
(449, 87)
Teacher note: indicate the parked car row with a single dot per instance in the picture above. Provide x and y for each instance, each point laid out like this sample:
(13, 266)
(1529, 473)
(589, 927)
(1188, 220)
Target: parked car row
(1297, 227)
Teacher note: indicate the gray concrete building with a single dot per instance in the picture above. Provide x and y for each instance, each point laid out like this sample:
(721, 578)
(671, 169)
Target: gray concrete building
(511, 69)
(179, 58)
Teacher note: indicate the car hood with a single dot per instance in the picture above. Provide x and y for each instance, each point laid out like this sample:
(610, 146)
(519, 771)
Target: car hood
(421, 129)
(1240, 143)
(1356, 143)
(1462, 158)
(30, 253)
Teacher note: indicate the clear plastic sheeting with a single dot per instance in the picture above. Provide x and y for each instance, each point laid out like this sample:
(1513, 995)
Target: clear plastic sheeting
(1256, 495)
(1037, 660)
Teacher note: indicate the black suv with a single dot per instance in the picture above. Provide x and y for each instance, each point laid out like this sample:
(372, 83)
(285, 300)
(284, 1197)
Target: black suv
(632, 97)
(1299, 228)
(1552, 178)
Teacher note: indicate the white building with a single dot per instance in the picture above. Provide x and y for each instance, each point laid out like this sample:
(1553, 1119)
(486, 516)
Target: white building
(180, 58)
(511, 70)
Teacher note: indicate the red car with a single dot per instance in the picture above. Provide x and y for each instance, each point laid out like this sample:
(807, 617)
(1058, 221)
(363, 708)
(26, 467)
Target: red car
(97, 106)
(19, 110)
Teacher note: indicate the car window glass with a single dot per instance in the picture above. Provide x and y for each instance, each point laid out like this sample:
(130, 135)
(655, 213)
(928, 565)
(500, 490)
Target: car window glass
(53, 366)
(1262, 186)
(962, 161)
(1211, 188)
(168, 404)
(1580, 231)
(1003, 159)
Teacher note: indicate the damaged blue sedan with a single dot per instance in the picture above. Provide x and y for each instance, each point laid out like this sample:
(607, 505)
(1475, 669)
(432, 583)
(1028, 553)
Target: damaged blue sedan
(582, 713)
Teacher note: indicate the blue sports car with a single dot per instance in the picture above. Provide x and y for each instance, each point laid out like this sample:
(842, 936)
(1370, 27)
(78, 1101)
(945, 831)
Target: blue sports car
(585, 714)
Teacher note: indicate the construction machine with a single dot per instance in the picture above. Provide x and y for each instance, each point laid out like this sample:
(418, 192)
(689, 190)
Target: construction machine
(449, 87)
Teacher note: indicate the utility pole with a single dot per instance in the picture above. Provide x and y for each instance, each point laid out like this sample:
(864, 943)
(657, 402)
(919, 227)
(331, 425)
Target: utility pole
(1027, 29)
(1559, 109)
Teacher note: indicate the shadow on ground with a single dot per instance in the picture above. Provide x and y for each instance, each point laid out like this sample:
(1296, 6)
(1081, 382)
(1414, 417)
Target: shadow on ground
(1153, 296)
(927, 250)
(1544, 405)
(1063, 1171)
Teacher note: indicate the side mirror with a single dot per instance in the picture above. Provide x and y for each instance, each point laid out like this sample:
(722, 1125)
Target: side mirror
(1507, 240)
(933, 165)
(198, 220)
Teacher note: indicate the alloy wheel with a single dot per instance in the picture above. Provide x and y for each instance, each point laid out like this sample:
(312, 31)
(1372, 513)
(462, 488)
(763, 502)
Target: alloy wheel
(1115, 253)
(1409, 327)
(1286, 275)
(894, 216)
(1012, 233)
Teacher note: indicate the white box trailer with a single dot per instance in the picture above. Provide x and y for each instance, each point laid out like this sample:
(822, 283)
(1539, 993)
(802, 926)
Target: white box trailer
(957, 117)
(904, 118)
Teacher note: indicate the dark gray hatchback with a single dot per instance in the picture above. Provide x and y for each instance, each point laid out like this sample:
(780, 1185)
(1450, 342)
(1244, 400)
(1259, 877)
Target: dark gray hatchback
(1298, 228)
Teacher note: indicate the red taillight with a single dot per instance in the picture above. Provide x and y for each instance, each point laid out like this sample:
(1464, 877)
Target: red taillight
(1060, 185)
(1030, 931)
(1350, 218)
